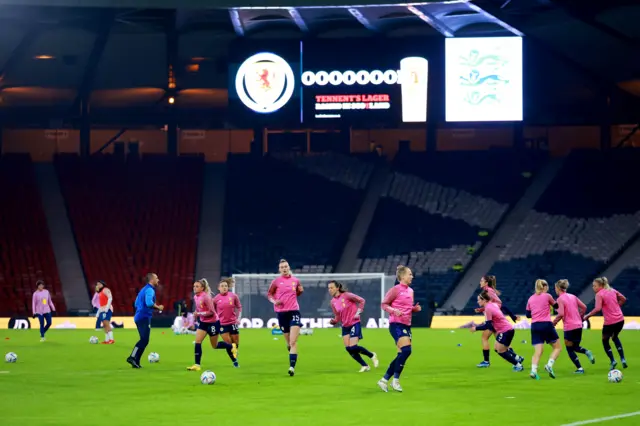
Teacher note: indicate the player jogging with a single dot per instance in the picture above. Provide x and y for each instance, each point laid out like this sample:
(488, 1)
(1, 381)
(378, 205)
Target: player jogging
(105, 311)
(496, 320)
(609, 301)
(283, 293)
(488, 284)
(207, 323)
(229, 310)
(570, 312)
(398, 302)
(42, 306)
(542, 329)
(145, 304)
(347, 308)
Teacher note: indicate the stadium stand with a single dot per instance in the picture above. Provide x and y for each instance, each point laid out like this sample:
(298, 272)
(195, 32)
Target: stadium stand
(274, 209)
(628, 283)
(134, 217)
(26, 254)
(434, 209)
(584, 219)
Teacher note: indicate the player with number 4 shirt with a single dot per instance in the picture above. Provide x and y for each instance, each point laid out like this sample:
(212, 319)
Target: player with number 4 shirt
(347, 308)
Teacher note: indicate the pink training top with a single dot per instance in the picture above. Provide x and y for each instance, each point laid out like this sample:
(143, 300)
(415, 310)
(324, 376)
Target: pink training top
(95, 302)
(492, 313)
(607, 301)
(205, 307)
(493, 295)
(41, 302)
(285, 290)
(399, 298)
(345, 305)
(571, 309)
(188, 321)
(540, 307)
(228, 307)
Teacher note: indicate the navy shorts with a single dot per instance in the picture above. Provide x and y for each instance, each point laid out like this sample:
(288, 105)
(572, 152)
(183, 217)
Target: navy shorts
(506, 337)
(289, 319)
(212, 328)
(105, 316)
(543, 332)
(574, 336)
(229, 328)
(354, 331)
(144, 328)
(612, 330)
(398, 330)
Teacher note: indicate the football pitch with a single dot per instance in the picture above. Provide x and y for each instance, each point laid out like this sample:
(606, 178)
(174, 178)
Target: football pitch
(67, 381)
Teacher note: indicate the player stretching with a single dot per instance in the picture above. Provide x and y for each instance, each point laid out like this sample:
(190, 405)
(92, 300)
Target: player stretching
(488, 284)
(609, 301)
(145, 304)
(229, 310)
(570, 312)
(42, 306)
(495, 320)
(398, 302)
(542, 329)
(208, 323)
(347, 308)
(105, 299)
(283, 293)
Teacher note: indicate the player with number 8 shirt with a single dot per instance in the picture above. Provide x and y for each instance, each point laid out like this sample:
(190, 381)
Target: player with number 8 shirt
(283, 293)
(347, 308)
(208, 324)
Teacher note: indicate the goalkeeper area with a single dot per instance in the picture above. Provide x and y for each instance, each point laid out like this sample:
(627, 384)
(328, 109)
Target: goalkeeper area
(315, 302)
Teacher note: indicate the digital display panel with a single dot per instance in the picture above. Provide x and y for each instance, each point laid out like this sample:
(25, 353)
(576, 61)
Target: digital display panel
(483, 79)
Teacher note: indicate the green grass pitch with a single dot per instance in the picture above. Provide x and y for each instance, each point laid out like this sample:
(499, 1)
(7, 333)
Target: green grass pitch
(67, 381)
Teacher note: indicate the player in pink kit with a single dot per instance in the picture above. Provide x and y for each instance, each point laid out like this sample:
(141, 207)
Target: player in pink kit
(347, 308)
(398, 302)
(495, 320)
(208, 321)
(609, 301)
(283, 293)
(542, 329)
(570, 312)
(229, 310)
(42, 306)
(488, 284)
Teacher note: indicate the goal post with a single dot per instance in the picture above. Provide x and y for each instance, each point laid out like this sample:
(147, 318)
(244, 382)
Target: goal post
(315, 302)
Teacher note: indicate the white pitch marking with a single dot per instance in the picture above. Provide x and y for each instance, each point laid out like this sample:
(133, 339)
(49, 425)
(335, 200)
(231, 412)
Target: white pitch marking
(603, 419)
(4, 372)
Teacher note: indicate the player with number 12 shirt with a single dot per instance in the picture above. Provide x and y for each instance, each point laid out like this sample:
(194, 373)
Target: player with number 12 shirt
(283, 293)
(347, 308)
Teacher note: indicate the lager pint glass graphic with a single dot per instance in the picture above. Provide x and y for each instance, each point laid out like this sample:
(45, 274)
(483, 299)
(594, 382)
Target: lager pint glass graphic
(414, 75)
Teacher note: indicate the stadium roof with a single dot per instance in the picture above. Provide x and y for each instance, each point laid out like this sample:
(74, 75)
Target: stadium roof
(48, 54)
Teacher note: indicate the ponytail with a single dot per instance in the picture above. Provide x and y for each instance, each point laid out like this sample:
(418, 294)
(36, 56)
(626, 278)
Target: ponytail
(541, 285)
(205, 284)
(401, 270)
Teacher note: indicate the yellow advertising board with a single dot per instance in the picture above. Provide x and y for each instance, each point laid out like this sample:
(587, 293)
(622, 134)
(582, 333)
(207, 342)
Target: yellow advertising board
(452, 322)
(64, 323)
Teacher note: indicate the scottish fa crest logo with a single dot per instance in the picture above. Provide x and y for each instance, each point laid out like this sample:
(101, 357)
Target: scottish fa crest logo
(265, 82)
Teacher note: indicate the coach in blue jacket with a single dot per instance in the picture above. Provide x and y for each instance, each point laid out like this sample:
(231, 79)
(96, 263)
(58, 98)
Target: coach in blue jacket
(145, 304)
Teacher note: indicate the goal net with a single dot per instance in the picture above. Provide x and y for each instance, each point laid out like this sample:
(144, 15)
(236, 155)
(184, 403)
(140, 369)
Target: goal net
(315, 302)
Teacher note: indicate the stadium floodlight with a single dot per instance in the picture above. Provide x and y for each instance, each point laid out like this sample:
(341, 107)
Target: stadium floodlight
(315, 308)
